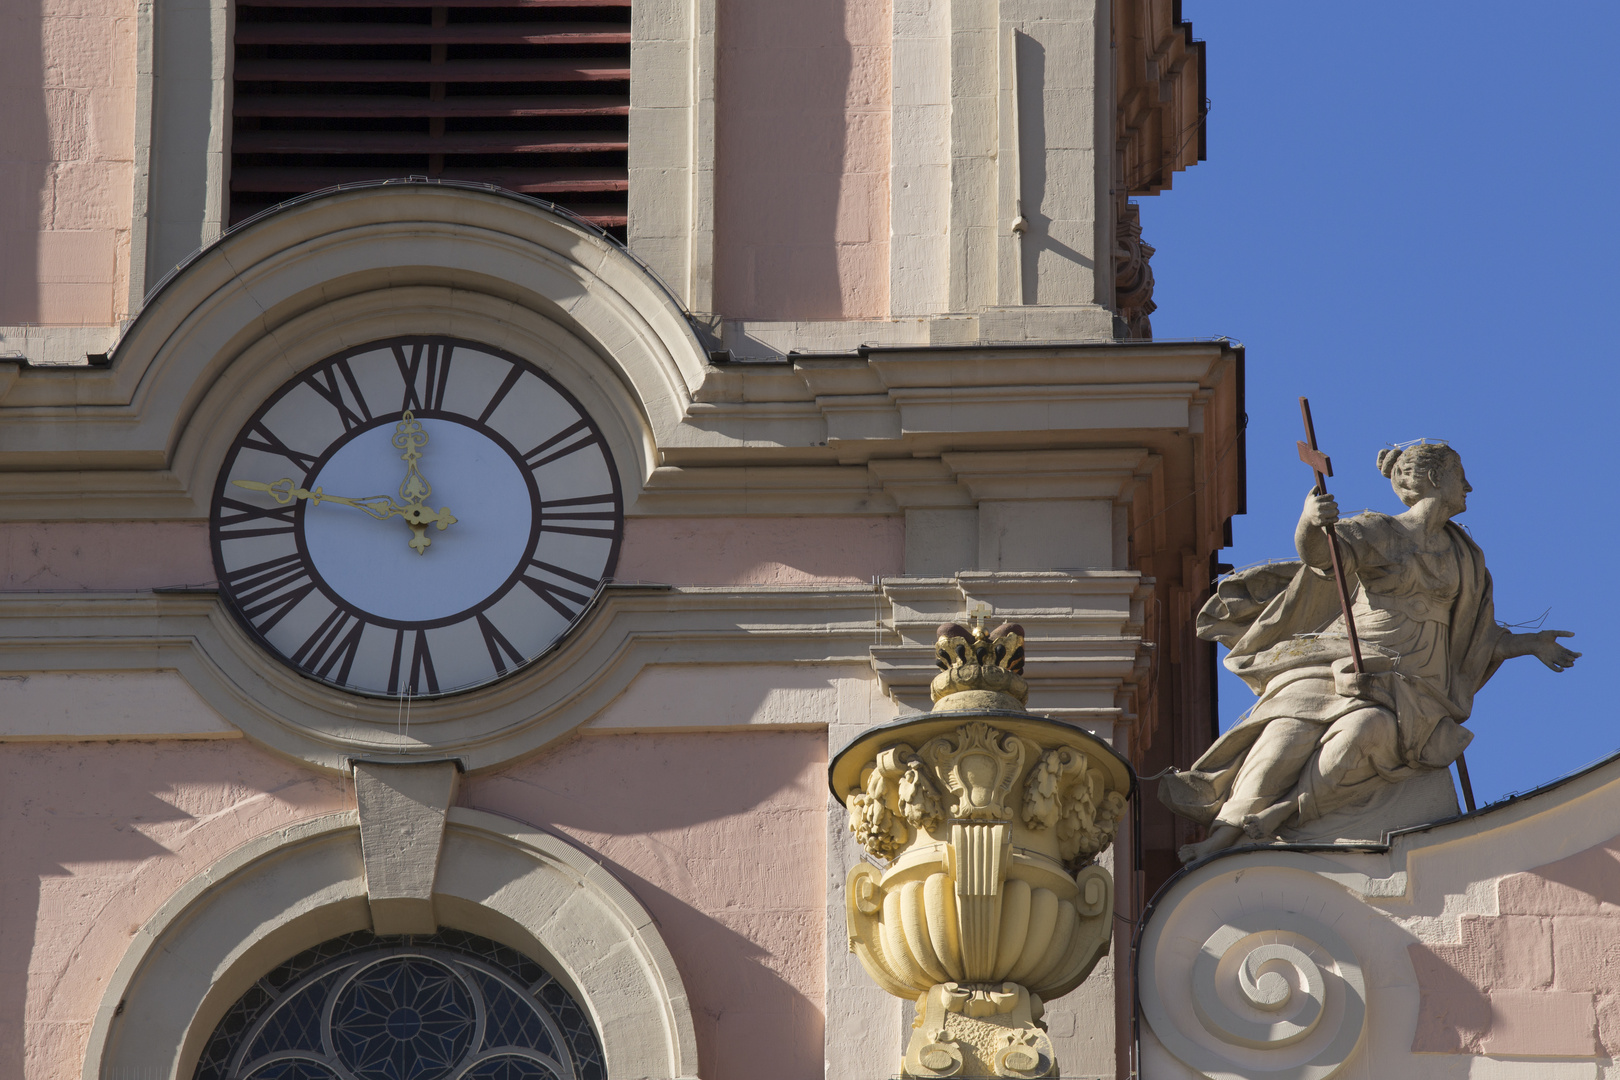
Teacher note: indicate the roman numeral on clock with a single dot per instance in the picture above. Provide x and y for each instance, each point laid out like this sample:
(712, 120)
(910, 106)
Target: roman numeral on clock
(565, 601)
(576, 517)
(330, 382)
(569, 440)
(334, 642)
(263, 439)
(500, 649)
(242, 513)
(426, 372)
(266, 592)
(419, 677)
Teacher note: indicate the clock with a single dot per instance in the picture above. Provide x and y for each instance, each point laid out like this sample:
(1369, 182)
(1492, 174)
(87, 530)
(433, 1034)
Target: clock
(415, 516)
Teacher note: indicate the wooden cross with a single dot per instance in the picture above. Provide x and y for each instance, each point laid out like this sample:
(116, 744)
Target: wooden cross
(1322, 465)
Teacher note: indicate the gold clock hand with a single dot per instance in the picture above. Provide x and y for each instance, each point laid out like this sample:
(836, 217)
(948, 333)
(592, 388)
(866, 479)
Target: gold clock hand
(410, 437)
(284, 491)
(381, 507)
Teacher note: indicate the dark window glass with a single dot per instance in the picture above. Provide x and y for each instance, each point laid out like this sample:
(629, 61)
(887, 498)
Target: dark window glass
(452, 1006)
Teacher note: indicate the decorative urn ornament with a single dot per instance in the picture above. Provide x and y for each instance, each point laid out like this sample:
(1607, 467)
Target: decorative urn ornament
(990, 820)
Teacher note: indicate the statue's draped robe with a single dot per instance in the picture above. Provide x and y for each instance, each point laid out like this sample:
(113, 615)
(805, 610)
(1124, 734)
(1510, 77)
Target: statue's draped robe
(1428, 636)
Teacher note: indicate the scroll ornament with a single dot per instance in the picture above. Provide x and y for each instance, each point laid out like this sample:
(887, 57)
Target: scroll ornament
(990, 820)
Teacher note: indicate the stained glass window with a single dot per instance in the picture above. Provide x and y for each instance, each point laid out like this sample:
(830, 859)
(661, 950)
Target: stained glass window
(451, 1006)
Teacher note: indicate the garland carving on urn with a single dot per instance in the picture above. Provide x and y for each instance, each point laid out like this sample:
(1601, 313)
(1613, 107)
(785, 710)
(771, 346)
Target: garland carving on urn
(990, 820)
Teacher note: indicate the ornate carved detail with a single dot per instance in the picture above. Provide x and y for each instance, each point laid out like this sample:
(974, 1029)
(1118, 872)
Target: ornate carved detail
(1133, 274)
(979, 670)
(991, 900)
(1270, 989)
(1063, 790)
(897, 800)
(987, 1025)
(978, 765)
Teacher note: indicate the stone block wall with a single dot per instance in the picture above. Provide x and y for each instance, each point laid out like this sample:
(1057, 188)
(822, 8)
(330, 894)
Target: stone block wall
(1542, 977)
(67, 147)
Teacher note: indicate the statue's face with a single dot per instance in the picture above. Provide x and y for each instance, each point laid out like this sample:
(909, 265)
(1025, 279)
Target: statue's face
(1453, 489)
(1449, 487)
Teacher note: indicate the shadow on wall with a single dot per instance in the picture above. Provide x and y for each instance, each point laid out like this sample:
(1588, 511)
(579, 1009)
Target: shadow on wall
(24, 157)
(1033, 181)
(94, 837)
(722, 837)
(783, 80)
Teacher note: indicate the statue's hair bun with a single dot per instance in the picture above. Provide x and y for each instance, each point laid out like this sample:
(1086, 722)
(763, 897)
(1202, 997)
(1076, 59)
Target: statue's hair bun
(1387, 460)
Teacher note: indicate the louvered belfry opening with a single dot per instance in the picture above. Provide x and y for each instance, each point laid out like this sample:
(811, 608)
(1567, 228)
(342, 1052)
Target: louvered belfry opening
(532, 95)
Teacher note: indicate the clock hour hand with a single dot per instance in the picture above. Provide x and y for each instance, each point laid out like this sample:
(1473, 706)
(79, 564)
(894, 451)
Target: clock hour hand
(410, 437)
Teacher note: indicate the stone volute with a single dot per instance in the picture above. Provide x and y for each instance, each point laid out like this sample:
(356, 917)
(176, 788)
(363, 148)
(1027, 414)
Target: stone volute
(990, 820)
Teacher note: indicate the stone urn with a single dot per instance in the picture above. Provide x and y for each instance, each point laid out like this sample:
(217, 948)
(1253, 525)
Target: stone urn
(989, 821)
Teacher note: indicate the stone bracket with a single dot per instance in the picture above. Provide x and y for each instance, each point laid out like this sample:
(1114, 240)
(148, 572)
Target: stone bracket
(402, 811)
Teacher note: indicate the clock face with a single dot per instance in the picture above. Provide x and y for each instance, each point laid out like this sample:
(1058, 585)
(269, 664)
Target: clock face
(415, 516)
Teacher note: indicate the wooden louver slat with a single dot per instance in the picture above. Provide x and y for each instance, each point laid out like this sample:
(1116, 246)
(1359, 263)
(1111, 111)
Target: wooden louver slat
(406, 34)
(531, 95)
(332, 105)
(327, 5)
(425, 71)
(546, 182)
(407, 142)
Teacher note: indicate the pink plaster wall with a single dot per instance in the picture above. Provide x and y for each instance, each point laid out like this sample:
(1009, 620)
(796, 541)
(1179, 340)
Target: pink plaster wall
(67, 81)
(93, 839)
(1542, 978)
(723, 838)
(802, 159)
(761, 551)
(102, 555)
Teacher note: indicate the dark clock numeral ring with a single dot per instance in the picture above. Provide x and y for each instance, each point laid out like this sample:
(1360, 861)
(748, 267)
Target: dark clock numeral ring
(415, 516)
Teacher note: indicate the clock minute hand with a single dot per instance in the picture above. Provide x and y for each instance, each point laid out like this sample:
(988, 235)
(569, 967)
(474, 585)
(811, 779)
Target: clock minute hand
(284, 491)
(381, 507)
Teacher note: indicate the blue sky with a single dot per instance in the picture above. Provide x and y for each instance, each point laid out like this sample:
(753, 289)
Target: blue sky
(1409, 215)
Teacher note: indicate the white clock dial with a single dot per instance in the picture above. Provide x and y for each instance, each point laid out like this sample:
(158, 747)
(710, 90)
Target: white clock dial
(415, 517)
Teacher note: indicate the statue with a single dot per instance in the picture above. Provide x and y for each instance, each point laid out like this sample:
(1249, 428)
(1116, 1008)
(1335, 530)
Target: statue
(1323, 738)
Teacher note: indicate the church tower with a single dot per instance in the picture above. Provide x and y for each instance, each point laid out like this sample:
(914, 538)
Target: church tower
(469, 465)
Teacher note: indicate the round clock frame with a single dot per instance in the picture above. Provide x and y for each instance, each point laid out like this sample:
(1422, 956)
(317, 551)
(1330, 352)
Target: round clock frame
(426, 606)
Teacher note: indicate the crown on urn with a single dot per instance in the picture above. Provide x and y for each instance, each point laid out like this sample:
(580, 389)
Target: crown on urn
(990, 820)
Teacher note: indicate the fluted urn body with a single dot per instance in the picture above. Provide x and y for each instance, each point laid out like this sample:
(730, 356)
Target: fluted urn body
(990, 820)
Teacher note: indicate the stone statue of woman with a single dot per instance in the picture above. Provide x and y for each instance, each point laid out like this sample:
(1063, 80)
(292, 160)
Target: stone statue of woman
(1323, 738)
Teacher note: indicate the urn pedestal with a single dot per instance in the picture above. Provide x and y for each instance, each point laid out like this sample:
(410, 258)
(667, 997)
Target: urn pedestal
(990, 820)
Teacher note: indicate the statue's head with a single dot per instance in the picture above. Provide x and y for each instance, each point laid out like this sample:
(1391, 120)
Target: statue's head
(1424, 469)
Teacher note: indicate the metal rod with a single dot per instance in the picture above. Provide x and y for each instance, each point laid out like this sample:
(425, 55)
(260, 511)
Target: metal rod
(1467, 784)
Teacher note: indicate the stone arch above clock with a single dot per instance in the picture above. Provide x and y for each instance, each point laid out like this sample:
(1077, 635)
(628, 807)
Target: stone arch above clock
(286, 292)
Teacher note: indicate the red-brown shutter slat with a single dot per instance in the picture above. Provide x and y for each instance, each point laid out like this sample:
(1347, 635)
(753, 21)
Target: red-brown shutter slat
(357, 106)
(405, 34)
(529, 95)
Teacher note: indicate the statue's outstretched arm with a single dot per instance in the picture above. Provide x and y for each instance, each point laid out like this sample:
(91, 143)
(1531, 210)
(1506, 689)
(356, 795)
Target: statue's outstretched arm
(1542, 645)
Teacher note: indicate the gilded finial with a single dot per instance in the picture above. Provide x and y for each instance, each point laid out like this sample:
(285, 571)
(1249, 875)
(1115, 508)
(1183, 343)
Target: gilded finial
(978, 670)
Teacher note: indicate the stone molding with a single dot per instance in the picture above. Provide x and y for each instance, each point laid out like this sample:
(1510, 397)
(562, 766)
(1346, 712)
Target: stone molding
(292, 889)
(1084, 636)
(142, 439)
(191, 351)
(1083, 668)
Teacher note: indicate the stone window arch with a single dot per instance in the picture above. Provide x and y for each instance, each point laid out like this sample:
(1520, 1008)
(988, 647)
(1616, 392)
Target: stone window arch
(303, 887)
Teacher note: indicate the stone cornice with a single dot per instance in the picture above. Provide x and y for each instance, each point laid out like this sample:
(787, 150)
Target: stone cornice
(1087, 654)
(143, 438)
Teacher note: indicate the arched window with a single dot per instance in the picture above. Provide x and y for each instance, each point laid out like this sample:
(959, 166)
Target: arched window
(451, 1006)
